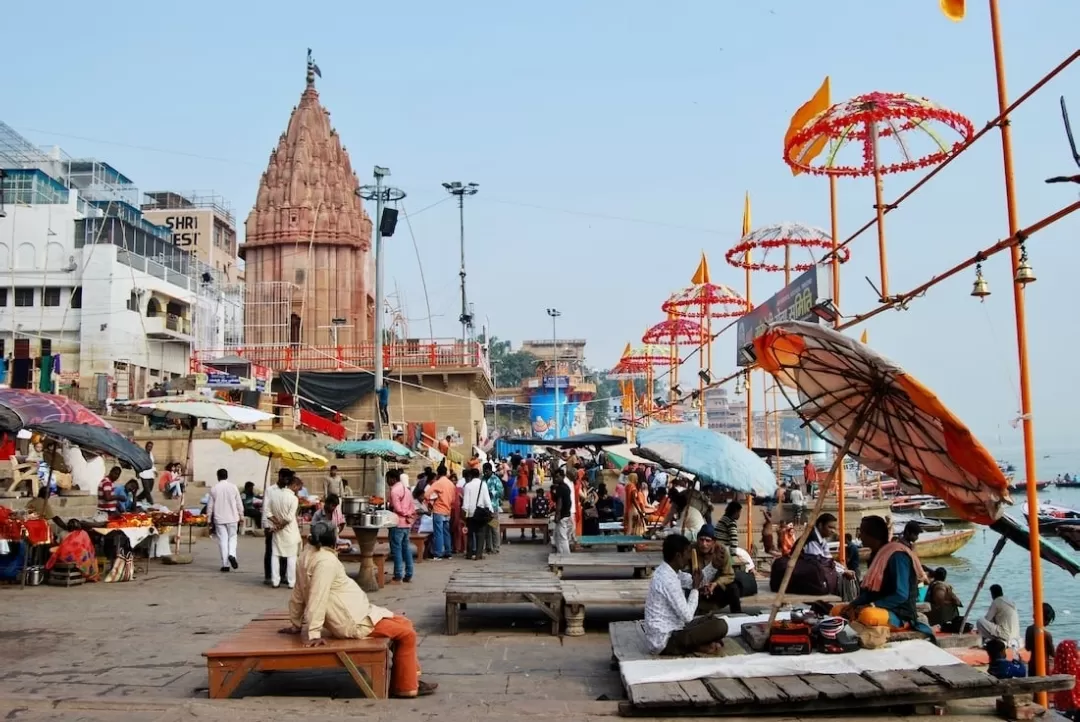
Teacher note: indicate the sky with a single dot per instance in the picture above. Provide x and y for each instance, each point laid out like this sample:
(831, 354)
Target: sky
(613, 141)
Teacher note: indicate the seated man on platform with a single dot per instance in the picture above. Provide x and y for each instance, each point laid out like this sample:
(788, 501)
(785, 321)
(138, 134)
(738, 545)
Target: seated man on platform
(327, 602)
(670, 627)
(1002, 620)
(718, 587)
(891, 584)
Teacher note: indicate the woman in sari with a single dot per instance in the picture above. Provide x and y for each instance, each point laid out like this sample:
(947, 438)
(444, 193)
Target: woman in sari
(663, 506)
(1067, 661)
(457, 523)
(637, 506)
(77, 549)
(522, 477)
(579, 502)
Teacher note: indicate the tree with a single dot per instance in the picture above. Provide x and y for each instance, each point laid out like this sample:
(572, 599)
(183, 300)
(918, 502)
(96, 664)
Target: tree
(509, 368)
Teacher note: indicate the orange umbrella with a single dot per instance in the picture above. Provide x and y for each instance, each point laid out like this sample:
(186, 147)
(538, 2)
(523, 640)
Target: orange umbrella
(855, 398)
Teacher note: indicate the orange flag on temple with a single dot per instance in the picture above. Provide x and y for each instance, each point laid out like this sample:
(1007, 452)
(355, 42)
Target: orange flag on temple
(701, 275)
(626, 351)
(865, 338)
(746, 215)
(954, 9)
(817, 104)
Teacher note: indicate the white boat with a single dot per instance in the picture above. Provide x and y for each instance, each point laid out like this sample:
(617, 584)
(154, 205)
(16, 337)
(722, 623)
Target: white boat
(1052, 512)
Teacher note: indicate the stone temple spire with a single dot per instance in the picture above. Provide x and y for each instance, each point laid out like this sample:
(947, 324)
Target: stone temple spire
(308, 228)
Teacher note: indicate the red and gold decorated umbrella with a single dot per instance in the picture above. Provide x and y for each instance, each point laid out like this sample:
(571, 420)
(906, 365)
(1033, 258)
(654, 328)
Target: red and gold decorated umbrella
(916, 127)
(873, 410)
(753, 250)
(678, 331)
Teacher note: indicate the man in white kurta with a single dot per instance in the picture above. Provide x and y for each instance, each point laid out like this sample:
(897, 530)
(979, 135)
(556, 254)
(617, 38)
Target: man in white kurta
(286, 543)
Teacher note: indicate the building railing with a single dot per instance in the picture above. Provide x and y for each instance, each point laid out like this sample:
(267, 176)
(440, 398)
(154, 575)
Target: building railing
(438, 354)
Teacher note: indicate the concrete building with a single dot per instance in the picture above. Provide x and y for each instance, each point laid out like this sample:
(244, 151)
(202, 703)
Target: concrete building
(96, 301)
(724, 414)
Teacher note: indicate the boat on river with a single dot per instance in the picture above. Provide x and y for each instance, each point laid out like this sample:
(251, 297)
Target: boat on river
(1022, 485)
(911, 503)
(1052, 517)
(931, 544)
(899, 521)
(938, 509)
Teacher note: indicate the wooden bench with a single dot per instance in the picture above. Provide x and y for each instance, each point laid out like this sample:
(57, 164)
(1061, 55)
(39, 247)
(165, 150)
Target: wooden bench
(621, 542)
(259, 647)
(503, 587)
(523, 525)
(642, 564)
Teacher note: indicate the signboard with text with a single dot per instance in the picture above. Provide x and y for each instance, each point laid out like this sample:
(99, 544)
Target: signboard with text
(556, 382)
(190, 228)
(792, 303)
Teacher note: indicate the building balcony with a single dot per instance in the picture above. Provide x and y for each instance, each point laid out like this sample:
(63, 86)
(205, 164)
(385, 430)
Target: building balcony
(168, 327)
(410, 356)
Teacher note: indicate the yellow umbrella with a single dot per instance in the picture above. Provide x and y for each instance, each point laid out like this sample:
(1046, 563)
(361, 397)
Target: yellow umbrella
(273, 446)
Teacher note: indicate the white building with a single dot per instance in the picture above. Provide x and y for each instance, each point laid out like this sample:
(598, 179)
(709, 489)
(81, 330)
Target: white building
(95, 300)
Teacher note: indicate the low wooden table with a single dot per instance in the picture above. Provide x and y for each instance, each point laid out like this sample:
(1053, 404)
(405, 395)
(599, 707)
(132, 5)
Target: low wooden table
(259, 647)
(642, 564)
(621, 542)
(523, 525)
(504, 587)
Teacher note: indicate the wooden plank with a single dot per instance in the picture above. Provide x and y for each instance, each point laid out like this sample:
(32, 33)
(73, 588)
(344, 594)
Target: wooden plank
(919, 679)
(698, 693)
(960, 676)
(728, 691)
(658, 694)
(892, 682)
(628, 642)
(764, 690)
(826, 686)
(860, 688)
(796, 689)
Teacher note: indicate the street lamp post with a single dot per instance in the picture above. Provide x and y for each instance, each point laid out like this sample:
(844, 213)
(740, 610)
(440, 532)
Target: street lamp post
(460, 190)
(380, 194)
(555, 313)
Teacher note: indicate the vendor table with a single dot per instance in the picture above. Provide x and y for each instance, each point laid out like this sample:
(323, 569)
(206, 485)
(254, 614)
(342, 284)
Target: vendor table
(366, 536)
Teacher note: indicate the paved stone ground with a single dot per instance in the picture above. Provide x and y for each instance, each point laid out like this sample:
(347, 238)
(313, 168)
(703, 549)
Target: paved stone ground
(133, 651)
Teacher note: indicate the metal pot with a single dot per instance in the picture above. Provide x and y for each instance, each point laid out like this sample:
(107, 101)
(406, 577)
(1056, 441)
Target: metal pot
(354, 505)
(371, 519)
(34, 576)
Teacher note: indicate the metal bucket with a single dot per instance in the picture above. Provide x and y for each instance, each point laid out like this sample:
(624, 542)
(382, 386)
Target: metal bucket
(33, 576)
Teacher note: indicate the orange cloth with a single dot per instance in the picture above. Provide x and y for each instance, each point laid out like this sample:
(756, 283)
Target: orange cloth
(875, 575)
(787, 540)
(442, 493)
(405, 672)
(661, 511)
(474, 463)
(579, 493)
(523, 476)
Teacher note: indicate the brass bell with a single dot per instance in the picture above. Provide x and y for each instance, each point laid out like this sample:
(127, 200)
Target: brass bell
(981, 289)
(1024, 273)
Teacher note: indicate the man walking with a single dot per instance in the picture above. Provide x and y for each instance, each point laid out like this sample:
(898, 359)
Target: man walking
(225, 509)
(401, 503)
(564, 514)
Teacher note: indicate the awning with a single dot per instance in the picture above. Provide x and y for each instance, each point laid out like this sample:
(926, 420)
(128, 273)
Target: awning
(578, 440)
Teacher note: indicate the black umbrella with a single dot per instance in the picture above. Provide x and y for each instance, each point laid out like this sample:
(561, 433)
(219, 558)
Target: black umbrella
(98, 439)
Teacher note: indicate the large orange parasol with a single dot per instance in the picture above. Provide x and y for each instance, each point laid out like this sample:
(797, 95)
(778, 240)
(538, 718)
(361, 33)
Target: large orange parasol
(855, 398)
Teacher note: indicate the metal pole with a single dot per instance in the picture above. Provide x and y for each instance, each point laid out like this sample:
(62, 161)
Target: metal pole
(841, 493)
(461, 236)
(555, 358)
(1039, 653)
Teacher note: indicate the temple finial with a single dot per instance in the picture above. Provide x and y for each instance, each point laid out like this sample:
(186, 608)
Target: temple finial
(312, 69)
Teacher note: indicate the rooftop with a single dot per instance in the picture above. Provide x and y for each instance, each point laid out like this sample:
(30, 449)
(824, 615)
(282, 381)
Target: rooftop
(194, 200)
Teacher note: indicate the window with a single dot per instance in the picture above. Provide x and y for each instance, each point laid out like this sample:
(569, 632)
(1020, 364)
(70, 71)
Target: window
(46, 347)
(50, 297)
(76, 297)
(3, 351)
(299, 276)
(24, 297)
(133, 302)
(3, 296)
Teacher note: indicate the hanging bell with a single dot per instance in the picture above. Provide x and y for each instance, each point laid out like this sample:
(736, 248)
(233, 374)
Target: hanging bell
(981, 289)
(1024, 273)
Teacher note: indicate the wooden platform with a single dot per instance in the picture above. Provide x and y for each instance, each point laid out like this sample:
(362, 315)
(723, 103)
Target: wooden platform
(621, 542)
(782, 696)
(259, 647)
(503, 587)
(525, 525)
(642, 564)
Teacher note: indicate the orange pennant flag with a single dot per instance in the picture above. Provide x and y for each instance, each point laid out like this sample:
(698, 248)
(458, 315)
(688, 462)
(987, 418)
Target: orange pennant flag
(626, 351)
(954, 9)
(865, 338)
(746, 215)
(806, 112)
(701, 275)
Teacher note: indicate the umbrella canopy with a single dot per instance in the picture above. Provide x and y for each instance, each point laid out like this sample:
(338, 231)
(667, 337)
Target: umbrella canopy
(374, 448)
(196, 407)
(1018, 533)
(623, 454)
(895, 425)
(577, 440)
(710, 456)
(101, 440)
(292, 455)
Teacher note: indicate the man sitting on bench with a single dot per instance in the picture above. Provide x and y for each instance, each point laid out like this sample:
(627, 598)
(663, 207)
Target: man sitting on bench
(327, 602)
(670, 627)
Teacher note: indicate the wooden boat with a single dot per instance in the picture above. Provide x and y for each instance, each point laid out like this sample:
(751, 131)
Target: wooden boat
(931, 544)
(899, 521)
(912, 503)
(940, 510)
(1022, 485)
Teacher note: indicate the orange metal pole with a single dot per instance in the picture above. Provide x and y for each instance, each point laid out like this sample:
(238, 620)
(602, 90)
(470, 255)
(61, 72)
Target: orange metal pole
(879, 207)
(841, 511)
(1039, 653)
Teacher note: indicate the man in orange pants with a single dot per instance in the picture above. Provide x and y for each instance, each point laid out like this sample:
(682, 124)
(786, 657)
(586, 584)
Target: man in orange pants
(335, 606)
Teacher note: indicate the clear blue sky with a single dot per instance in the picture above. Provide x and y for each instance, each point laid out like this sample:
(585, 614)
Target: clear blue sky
(653, 118)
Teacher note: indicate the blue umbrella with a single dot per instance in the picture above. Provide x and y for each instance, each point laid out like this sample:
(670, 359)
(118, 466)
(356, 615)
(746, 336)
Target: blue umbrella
(374, 448)
(708, 455)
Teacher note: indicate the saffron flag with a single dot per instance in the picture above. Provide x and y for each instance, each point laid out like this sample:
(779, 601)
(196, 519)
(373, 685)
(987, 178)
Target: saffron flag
(807, 112)
(626, 352)
(865, 338)
(746, 215)
(954, 9)
(701, 275)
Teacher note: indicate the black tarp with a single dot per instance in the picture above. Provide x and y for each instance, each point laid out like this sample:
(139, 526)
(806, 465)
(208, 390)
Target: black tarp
(322, 390)
(578, 440)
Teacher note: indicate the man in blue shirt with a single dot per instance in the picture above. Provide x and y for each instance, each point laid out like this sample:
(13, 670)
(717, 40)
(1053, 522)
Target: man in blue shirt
(384, 404)
(495, 492)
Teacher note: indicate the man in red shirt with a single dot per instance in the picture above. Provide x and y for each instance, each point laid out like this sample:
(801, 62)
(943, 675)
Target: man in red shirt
(106, 492)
